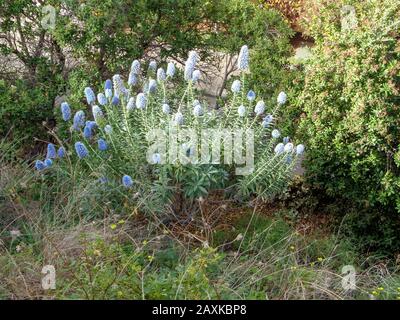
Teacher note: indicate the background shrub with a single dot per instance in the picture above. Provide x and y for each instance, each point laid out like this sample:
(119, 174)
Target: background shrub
(23, 110)
(350, 99)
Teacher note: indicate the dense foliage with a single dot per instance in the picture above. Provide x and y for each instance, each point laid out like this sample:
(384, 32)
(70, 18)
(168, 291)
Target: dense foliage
(350, 100)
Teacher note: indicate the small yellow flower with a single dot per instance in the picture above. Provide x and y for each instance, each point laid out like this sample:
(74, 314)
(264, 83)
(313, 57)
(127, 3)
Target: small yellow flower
(113, 226)
(97, 252)
(145, 242)
(120, 294)
(320, 259)
(312, 264)
(381, 289)
(121, 221)
(293, 268)
(292, 247)
(375, 293)
(151, 258)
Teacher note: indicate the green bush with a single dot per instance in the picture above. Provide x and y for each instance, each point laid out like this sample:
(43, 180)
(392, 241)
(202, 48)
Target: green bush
(350, 99)
(23, 110)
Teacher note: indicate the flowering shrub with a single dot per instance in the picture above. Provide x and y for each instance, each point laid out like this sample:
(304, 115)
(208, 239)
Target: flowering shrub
(166, 142)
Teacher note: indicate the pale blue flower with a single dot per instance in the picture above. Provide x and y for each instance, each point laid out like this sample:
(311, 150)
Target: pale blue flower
(79, 120)
(189, 68)
(108, 93)
(97, 113)
(108, 129)
(193, 57)
(198, 111)
(289, 147)
(196, 75)
(171, 69)
(91, 124)
(141, 101)
(299, 149)
(161, 76)
(153, 65)
(190, 65)
(251, 95)
(135, 67)
(275, 134)
(108, 89)
(102, 144)
(259, 108)
(119, 87)
(81, 150)
(279, 148)
(115, 101)
(65, 111)
(152, 85)
(108, 84)
(87, 132)
(132, 80)
(165, 108)
(282, 97)
(131, 104)
(90, 97)
(243, 60)
(236, 85)
(101, 98)
(48, 163)
(178, 118)
(127, 181)
(242, 111)
(39, 165)
(51, 151)
(61, 152)
(195, 102)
